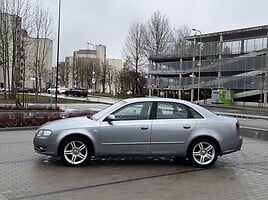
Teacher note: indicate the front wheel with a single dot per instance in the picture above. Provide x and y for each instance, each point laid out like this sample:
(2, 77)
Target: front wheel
(75, 152)
(203, 153)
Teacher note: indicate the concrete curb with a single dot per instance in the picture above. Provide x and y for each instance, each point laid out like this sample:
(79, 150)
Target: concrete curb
(19, 128)
(242, 115)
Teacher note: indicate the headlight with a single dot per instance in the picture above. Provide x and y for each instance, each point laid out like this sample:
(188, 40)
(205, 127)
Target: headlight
(43, 133)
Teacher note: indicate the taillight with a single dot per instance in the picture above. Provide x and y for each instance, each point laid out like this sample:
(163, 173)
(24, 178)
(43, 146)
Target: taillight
(237, 125)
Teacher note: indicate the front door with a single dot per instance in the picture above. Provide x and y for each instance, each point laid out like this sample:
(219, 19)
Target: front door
(129, 133)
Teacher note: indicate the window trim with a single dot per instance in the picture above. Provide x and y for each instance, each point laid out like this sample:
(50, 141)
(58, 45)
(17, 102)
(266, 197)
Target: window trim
(189, 109)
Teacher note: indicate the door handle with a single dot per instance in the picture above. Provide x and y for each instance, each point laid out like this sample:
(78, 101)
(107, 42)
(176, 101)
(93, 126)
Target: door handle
(186, 126)
(144, 128)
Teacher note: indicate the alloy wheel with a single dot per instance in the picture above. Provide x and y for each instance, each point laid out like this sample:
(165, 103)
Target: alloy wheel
(75, 152)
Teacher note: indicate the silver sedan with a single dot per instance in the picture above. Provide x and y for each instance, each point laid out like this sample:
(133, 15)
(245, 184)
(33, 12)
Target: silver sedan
(145, 127)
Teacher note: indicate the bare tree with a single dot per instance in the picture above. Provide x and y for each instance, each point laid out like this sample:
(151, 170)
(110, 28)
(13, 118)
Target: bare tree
(12, 42)
(111, 76)
(42, 30)
(128, 80)
(84, 70)
(158, 34)
(103, 74)
(134, 50)
(178, 42)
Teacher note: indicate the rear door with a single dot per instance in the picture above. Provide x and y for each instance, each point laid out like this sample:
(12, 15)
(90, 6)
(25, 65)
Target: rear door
(172, 124)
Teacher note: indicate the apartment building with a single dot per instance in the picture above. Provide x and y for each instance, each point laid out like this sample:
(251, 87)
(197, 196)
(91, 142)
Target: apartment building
(24, 60)
(115, 67)
(90, 69)
(233, 60)
(38, 62)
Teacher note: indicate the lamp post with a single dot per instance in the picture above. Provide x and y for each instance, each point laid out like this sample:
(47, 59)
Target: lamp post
(199, 64)
(58, 55)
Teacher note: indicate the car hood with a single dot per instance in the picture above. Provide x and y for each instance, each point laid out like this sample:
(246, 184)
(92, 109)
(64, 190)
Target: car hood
(70, 123)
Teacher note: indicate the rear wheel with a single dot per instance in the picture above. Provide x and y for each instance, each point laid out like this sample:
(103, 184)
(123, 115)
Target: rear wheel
(75, 151)
(203, 153)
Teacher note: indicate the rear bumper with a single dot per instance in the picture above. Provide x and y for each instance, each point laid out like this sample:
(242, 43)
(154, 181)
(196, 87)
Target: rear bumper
(232, 145)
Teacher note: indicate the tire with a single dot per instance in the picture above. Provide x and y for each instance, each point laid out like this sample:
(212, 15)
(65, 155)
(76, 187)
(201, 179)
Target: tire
(75, 152)
(203, 153)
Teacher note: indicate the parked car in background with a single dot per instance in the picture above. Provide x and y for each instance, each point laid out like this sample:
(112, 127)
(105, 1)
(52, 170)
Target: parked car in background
(2, 89)
(90, 91)
(60, 90)
(26, 90)
(144, 127)
(78, 92)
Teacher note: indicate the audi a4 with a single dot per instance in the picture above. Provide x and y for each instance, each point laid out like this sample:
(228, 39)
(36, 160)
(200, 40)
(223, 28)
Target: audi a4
(142, 127)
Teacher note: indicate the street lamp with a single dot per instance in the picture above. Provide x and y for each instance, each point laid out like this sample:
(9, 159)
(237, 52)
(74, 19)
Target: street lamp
(199, 64)
(58, 55)
(88, 43)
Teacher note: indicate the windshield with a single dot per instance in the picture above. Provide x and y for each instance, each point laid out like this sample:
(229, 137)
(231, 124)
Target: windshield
(105, 111)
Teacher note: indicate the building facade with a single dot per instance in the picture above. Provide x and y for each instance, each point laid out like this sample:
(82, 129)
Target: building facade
(91, 69)
(24, 61)
(234, 60)
(38, 62)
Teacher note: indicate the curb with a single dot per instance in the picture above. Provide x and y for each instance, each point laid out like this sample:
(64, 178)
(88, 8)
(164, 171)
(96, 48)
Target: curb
(242, 115)
(19, 128)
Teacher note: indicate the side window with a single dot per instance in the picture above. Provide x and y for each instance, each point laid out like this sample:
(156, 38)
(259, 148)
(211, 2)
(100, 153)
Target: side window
(136, 111)
(167, 110)
(195, 114)
(164, 110)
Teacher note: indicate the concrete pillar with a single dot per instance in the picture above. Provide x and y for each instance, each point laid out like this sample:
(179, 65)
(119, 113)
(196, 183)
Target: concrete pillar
(242, 48)
(266, 75)
(220, 57)
(180, 79)
(265, 85)
(192, 75)
(192, 95)
(221, 46)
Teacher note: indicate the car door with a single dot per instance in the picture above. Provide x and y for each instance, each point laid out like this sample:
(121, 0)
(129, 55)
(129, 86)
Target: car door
(172, 124)
(129, 133)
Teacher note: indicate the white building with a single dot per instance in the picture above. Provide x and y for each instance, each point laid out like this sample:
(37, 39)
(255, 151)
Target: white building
(38, 61)
(28, 59)
(115, 65)
(89, 68)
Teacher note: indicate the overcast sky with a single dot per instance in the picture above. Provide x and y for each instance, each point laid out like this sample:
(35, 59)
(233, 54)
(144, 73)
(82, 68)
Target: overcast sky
(107, 22)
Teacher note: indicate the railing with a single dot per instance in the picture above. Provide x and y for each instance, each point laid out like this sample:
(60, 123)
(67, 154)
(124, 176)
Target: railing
(227, 47)
(233, 82)
(238, 64)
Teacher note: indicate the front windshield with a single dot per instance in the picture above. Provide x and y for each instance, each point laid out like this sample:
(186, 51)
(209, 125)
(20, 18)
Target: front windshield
(105, 111)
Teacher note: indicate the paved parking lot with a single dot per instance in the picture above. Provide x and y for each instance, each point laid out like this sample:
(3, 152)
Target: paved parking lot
(27, 175)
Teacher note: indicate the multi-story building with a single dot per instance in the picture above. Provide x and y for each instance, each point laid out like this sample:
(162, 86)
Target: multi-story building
(11, 50)
(234, 60)
(86, 67)
(115, 67)
(24, 61)
(92, 70)
(38, 62)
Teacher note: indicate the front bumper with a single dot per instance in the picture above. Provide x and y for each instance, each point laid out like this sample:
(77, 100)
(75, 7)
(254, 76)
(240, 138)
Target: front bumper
(44, 146)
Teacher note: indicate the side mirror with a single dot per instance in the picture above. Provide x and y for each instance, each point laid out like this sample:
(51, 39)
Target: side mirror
(110, 118)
